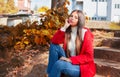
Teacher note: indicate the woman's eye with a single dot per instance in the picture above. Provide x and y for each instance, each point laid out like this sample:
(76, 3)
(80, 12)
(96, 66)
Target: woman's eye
(76, 17)
(71, 16)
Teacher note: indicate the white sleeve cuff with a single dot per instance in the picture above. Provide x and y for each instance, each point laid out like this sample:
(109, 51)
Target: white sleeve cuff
(63, 29)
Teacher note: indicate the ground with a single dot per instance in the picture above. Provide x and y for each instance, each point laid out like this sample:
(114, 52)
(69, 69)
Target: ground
(34, 65)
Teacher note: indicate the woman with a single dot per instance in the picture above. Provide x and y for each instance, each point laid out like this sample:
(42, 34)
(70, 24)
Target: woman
(71, 50)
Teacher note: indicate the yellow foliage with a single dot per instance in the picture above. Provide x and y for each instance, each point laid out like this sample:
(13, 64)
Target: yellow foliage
(53, 19)
(43, 9)
(26, 42)
(8, 7)
(114, 26)
(19, 45)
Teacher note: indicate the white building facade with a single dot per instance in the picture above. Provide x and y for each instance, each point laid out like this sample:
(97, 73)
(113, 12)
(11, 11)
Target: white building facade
(105, 10)
(24, 6)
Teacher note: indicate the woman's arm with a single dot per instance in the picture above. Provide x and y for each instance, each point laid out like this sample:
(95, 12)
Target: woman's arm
(58, 37)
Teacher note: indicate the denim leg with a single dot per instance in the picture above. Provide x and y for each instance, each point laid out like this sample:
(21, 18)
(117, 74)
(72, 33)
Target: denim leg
(71, 70)
(55, 52)
(64, 67)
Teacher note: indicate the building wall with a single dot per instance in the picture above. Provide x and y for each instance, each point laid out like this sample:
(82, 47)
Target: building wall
(108, 10)
(115, 11)
(24, 5)
(3, 20)
(90, 8)
(95, 9)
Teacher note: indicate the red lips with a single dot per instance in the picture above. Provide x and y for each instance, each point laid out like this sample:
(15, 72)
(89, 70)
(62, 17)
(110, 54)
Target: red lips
(70, 21)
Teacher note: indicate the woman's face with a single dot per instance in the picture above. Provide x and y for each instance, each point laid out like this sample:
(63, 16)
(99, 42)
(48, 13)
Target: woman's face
(73, 19)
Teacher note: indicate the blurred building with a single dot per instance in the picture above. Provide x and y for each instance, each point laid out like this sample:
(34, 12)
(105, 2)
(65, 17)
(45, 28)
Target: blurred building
(23, 6)
(105, 10)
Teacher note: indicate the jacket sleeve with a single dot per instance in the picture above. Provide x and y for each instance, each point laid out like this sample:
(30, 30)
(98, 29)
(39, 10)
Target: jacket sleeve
(86, 54)
(58, 37)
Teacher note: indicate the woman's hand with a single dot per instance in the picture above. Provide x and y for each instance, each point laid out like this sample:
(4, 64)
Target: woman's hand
(66, 24)
(65, 59)
(61, 45)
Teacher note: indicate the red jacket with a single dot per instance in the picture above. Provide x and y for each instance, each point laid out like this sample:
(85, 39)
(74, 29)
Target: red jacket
(86, 58)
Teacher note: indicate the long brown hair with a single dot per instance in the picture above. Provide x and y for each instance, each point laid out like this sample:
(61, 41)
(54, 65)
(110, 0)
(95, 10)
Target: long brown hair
(78, 41)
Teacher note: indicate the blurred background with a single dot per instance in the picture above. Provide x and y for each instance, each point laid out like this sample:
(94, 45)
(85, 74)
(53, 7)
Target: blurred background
(96, 10)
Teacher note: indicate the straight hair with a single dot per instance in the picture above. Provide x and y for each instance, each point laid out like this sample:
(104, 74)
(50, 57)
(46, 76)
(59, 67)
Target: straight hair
(78, 41)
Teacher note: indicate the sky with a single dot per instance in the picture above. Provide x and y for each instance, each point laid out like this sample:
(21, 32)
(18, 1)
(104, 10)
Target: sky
(40, 3)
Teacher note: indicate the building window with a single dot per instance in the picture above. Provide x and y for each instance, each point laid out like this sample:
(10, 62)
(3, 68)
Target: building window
(117, 6)
(98, 18)
(102, 0)
(78, 2)
(94, 0)
(103, 18)
(25, 3)
(105, 0)
(94, 18)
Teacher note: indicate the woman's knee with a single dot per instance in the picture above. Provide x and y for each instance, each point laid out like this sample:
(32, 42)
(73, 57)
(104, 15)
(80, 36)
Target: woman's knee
(53, 46)
(57, 48)
(60, 64)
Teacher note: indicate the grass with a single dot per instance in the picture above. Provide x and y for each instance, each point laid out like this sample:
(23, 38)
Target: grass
(115, 26)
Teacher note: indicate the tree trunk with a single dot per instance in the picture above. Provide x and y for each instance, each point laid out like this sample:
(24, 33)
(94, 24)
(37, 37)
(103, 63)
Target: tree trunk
(54, 2)
(57, 3)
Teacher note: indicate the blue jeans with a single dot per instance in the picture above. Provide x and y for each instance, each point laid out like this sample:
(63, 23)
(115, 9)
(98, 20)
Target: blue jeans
(56, 66)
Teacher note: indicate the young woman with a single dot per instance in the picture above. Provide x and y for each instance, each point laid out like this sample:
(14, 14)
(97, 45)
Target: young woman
(71, 49)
